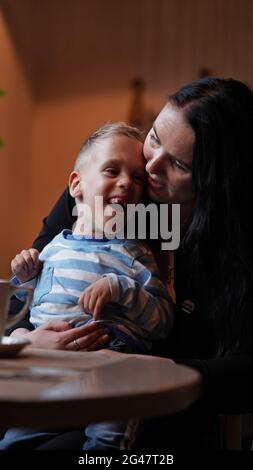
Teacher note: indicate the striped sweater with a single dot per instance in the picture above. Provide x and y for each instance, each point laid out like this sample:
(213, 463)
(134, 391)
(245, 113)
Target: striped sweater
(140, 307)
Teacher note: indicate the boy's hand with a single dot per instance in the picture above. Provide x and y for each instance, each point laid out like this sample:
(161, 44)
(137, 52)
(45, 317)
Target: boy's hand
(26, 264)
(95, 297)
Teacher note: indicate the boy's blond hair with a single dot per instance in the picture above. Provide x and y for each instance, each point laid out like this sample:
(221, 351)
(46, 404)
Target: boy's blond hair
(108, 130)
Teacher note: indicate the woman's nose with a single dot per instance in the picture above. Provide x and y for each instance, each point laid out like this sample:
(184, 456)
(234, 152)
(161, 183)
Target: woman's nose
(155, 164)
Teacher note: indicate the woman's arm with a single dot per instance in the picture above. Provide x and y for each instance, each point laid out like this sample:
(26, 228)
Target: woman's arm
(59, 218)
(59, 334)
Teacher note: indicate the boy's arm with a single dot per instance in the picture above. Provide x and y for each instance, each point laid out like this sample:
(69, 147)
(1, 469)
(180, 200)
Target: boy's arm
(59, 218)
(144, 297)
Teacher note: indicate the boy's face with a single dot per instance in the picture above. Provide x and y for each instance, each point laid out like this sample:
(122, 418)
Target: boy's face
(114, 169)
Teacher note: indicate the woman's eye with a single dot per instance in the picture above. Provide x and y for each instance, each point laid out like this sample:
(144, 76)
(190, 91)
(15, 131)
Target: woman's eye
(154, 139)
(181, 167)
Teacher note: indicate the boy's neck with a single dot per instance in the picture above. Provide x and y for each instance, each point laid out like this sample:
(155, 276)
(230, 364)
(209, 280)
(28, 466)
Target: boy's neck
(84, 227)
(94, 233)
(88, 233)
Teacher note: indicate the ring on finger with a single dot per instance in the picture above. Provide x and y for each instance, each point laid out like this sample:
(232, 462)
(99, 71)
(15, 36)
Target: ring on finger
(77, 345)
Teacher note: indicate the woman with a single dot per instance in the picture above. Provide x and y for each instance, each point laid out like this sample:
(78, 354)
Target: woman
(199, 154)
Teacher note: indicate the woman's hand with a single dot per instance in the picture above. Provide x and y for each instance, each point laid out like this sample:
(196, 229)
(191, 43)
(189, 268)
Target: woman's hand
(59, 334)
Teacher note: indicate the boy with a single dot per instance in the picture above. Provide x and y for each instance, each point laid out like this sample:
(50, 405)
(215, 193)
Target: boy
(88, 276)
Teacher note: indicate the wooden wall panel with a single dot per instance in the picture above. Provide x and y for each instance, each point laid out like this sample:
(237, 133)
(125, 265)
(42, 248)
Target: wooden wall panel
(75, 59)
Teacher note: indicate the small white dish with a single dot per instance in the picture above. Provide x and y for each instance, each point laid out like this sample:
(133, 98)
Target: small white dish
(10, 346)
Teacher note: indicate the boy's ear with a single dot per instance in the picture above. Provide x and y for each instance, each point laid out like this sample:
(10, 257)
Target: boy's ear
(75, 187)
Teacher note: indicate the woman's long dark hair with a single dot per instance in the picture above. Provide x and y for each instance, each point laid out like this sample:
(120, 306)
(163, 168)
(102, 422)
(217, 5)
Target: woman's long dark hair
(219, 238)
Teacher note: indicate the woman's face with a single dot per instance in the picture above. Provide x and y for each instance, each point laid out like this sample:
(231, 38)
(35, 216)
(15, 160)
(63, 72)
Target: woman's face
(168, 149)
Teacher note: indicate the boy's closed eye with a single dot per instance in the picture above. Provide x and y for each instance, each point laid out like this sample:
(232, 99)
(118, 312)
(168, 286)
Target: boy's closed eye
(139, 179)
(111, 171)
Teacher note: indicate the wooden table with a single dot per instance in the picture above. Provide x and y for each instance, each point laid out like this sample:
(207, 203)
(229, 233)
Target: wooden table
(65, 389)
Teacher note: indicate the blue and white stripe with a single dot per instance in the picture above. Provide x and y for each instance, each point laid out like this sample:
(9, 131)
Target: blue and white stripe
(141, 306)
